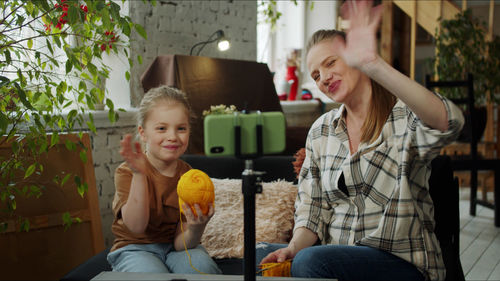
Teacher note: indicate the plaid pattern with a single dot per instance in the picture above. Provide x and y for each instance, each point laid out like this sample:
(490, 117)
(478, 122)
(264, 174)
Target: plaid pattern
(388, 206)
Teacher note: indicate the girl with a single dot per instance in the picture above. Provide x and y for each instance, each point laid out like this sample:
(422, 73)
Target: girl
(363, 186)
(146, 226)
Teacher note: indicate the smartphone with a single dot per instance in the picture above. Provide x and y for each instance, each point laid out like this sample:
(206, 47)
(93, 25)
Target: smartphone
(220, 133)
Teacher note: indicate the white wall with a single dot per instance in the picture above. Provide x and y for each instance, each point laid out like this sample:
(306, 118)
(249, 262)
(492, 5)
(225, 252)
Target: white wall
(173, 27)
(117, 86)
(323, 16)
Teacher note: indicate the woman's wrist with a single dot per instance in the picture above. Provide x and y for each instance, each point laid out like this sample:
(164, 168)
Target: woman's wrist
(372, 67)
(292, 247)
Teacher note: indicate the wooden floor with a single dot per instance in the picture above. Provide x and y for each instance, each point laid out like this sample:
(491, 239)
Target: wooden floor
(479, 241)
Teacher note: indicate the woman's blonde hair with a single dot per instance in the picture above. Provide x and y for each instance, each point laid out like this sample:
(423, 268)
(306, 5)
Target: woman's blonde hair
(382, 100)
(162, 94)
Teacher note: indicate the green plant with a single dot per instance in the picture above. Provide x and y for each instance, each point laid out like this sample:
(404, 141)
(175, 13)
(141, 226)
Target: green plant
(270, 12)
(461, 48)
(220, 109)
(51, 54)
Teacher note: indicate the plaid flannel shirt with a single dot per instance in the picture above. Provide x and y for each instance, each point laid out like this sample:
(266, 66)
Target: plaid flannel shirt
(388, 206)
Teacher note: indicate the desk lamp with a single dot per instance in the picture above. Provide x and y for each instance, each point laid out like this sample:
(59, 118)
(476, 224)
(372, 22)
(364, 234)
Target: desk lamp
(222, 42)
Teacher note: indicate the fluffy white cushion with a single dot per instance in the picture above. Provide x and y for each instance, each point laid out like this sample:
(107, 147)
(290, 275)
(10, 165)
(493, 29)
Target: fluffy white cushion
(223, 236)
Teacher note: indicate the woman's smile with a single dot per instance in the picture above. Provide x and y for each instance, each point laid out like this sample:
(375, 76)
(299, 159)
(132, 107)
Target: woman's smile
(333, 87)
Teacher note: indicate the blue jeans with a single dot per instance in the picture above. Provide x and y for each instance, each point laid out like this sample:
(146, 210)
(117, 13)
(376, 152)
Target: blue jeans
(345, 263)
(161, 258)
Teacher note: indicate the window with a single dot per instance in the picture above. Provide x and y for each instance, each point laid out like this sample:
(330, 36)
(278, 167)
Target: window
(294, 27)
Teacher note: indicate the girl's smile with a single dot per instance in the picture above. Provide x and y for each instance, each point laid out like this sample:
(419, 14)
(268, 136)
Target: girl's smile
(171, 147)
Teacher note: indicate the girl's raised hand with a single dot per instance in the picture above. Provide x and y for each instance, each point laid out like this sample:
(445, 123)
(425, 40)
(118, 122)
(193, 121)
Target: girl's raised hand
(361, 36)
(134, 157)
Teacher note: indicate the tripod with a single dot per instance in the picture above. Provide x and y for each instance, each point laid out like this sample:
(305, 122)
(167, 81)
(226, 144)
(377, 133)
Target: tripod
(250, 186)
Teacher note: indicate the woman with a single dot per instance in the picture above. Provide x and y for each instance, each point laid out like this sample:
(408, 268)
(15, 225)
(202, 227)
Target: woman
(363, 187)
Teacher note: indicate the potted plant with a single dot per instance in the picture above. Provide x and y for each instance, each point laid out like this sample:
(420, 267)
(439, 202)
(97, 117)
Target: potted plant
(461, 48)
(51, 54)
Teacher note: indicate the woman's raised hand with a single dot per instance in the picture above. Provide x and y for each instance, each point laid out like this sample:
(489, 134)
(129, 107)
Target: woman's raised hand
(361, 36)
(134, 157)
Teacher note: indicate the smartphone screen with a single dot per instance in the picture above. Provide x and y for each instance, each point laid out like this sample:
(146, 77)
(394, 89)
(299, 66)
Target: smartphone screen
(219, 133)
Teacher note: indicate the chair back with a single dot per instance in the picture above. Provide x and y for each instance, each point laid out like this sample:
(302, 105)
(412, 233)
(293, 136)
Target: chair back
(444, 191)
(471, 128)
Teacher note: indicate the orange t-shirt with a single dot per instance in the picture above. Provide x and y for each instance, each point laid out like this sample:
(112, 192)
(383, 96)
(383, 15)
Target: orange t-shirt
(164, 206)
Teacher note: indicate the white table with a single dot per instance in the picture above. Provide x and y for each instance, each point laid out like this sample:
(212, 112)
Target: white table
(109, 275)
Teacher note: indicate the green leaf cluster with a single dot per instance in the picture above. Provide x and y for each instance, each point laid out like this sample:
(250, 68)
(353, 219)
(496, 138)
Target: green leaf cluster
(51, 77)
(270, 12)
(220, 109)
(461, 48)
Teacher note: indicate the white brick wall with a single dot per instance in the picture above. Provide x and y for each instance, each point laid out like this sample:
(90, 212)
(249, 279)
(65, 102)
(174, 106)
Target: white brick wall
(106, 157)
(173, 27)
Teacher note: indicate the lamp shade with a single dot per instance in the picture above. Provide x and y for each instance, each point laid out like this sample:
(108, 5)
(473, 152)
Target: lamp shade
(223, 45)
(222, 42)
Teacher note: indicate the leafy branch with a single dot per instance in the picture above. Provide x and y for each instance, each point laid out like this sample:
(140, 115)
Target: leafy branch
(51, 69)
(269, 10)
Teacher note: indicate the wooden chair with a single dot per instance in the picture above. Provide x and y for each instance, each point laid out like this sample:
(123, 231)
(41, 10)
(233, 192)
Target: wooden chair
(485, 179)
(472, 162)
(444, 191)
(470, 120)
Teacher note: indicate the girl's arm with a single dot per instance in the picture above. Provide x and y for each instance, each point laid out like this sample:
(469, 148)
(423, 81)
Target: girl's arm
(192, 229)
(360, 51)
(135, 212)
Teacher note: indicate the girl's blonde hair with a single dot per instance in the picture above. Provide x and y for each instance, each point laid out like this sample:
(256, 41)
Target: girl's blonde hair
(382, 100)
(162, 94)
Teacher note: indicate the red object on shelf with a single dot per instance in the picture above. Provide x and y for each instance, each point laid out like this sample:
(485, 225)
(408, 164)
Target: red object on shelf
(306, 94)
(291, 76)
